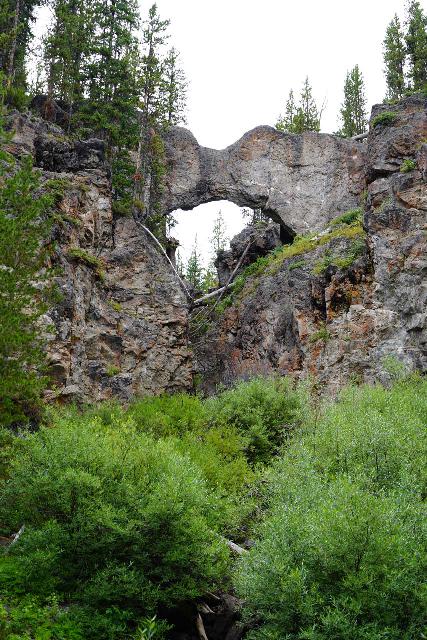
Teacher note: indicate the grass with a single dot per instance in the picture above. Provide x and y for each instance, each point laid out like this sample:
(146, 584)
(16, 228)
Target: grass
(322, 334)
(346, 225)
(342, 262)
(112, 370)
(80, 255)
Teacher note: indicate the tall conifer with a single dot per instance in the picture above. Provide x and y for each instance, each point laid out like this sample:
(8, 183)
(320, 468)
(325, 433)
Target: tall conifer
(394, 59)
(353, 110)
(416, 43)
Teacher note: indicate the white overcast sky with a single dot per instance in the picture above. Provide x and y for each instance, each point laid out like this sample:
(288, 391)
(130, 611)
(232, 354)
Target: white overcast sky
(241, 59)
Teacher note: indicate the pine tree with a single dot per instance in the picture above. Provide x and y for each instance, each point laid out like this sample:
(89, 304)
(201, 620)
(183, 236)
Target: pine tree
(218, 239)
(285, 123)
(173, 90)
(162, 103)
(308, 116)
(152, 113)
(394, 60)
(16, 17)
(112, 92)
(416, 44)
(67, 50)
(353, 110)
(23, 229)
(194, 269)
(305, 117)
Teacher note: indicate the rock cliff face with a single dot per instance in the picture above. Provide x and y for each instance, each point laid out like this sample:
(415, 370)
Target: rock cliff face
(334, 311)
(301, 181)
(120, 328)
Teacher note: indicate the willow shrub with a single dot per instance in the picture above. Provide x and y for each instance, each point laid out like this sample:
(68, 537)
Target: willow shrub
(114, 520)
(264, 411)
(342, 553)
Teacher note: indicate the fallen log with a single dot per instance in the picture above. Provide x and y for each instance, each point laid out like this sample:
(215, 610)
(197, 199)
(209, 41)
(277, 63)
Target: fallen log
(201, 628)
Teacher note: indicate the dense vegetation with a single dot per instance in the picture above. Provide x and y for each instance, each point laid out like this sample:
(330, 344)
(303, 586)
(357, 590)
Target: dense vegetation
(127, 512)
(342, 552)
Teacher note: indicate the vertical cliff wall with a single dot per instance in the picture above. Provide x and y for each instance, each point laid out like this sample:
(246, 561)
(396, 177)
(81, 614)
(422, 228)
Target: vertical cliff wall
(120, 328)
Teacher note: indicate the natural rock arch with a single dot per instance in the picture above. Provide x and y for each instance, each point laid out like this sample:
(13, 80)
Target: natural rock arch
(301, 181)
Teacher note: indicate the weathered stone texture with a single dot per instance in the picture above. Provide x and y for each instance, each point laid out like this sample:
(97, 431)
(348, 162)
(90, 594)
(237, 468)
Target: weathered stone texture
(121, 326)
(301, 181)
(373, 309)
(120, 329)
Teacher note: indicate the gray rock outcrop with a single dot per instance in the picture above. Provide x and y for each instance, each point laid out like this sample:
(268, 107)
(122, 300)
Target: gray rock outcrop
(346, 320)
(120, 328)
(300, 181)
(334, 312)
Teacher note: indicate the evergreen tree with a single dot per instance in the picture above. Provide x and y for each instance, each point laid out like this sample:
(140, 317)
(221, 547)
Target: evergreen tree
(416, 43)
(16, 17)
(23, 229)
(210, 278)
(112, 92)
(285, 123)
(173, 89)
(305, 117)
(194, 269)
(353, 110)
(152, 113)
(394, 60)
(162, 103)
(218, 239)
(67, 49)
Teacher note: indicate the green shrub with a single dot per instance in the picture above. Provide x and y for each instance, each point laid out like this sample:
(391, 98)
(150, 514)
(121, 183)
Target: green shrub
(385, 119)
(356, 249)
(342, 553)
(28, 619)
(407, 166)
(80, 255)
(321, 334)
(264, 411)
(112, 370)
(113, 519)
(348, 217)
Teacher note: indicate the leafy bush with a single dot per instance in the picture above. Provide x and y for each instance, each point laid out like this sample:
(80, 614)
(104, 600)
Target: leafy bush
(28, 619)
(113, 519)
(385, 119)
(408, 165)
(264, 412)
(342, 553)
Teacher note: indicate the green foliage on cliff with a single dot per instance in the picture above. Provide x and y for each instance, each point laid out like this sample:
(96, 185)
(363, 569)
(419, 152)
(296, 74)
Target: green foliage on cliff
(385, 118)
(342, 553)
(24, 229)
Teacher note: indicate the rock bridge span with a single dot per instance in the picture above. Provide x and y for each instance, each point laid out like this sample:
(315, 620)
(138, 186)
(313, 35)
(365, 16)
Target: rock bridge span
(301, 181)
